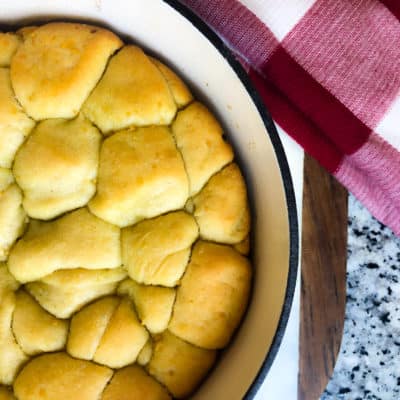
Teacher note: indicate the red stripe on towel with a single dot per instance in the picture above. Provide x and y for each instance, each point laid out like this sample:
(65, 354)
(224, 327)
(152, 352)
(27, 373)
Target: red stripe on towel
(293, 122)
(318, 105)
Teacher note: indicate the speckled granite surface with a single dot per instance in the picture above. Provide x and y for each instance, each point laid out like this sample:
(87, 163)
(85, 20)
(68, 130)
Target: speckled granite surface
(368, 366)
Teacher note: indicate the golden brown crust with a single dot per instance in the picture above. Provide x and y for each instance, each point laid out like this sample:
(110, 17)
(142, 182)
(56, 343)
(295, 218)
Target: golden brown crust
(152, 182)
(212, 297)
(12, 218)
(221, 208)
(6, 393)
(56, 167)
(59, 376)
(132, 91)
(243, 247)
(133, 383)
(6, 178)
(88, 327)
(81, 278)
(63, 302)
(58, 65)
(25, 31)
(198, 136)
(146, 353)
(15, 125)
(179, 365)
(153, 304)
(9, 43)
(35, 330)
(123, 338)
(156, 251)
(74, 240)
(11, 355)
(179, 90)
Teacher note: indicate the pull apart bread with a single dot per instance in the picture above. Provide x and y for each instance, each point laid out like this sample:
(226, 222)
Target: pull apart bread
(124, 222)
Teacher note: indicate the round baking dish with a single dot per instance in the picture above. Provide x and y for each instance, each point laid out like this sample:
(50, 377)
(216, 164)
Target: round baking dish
(175, 35)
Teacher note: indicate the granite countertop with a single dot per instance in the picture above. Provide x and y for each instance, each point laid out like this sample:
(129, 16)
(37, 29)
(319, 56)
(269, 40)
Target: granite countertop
(368, 365)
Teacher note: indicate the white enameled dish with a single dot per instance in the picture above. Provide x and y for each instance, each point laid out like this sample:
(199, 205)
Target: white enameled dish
(169, 31)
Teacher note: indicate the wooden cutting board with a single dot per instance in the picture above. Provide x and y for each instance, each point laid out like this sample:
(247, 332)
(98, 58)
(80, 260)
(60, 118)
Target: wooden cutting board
(323, 278)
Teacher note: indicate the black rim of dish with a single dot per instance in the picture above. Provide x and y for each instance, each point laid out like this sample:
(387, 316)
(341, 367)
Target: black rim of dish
(287, 182)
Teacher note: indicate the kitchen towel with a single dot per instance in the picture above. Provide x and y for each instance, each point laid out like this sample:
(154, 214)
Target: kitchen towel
(329, 73)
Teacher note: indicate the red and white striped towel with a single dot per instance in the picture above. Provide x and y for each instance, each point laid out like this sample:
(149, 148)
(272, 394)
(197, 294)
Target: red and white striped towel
(329, 72)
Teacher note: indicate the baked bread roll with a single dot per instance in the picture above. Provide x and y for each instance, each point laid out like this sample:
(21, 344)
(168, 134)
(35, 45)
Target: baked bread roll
(156, 251)
(63, 302)
(9, 43)
(35, 330)
(59, 376)
(131, 92)
(146, 353)
(210, 301)
(153, 303)
(6, 393)
(152, 182)
(15, 125)
(132, 383)
(109, 332)
(11, 355)
(124, 222)
(58, 65)
(198, 136)
(12, 218)
(179, 365)
(75, 240)
(88, 327)
(222, 218)
(179, 90)
(57, 166)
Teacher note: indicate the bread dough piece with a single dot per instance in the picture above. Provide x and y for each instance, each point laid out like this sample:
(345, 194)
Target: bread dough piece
(58, 376)
(78, 239)
(12, 218)
(8, 284)
(123, 338)
(179, 365)
(88, 327)
(132, 91)
(153, 304)
(179, 90)
(145, 354)
(9, 43)
(63, 302)
(6, 394)
(141, 175)
(58, 65)
(6, 178)
(35, 330)
(243, 247)
(132, 383)
(25, 31)
(11, 355)
(212, 297)
(156, 251)
(81, 278)
(57, 167)
(198, 136)
(15, 125)
(221, 208)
